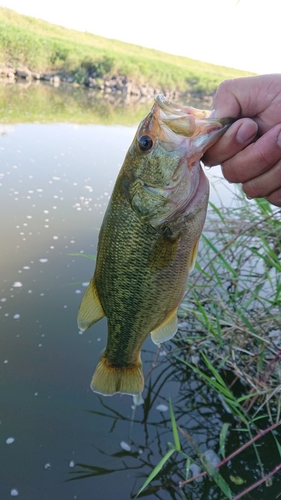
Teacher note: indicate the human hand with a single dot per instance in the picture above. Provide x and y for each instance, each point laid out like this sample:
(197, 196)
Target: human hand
(250, 150)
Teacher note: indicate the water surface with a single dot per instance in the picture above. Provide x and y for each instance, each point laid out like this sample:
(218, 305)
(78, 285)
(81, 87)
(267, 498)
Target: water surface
(55, 182)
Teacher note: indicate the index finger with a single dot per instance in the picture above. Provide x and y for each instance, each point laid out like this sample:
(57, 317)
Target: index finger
(236, 138)
(247, 96)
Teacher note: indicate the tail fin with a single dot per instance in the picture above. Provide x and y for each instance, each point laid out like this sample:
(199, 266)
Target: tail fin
(108, 380)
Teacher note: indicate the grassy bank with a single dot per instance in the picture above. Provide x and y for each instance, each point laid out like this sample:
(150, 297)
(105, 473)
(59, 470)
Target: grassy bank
(46, 47)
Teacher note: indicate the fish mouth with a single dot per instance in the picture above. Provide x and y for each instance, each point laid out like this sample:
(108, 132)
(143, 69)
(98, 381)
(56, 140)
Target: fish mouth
(186, 133)
(186, 126)
(175, 111)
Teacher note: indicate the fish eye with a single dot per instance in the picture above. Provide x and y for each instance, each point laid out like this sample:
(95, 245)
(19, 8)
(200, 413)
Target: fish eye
(145, 143)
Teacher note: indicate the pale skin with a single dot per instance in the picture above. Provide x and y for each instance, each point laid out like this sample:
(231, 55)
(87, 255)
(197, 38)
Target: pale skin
(250, 150)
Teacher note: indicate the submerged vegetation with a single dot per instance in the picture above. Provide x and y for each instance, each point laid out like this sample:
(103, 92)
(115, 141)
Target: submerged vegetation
(45, 47)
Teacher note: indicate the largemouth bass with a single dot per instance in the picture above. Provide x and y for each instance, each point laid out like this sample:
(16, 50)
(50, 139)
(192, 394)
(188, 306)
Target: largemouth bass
(148, 240)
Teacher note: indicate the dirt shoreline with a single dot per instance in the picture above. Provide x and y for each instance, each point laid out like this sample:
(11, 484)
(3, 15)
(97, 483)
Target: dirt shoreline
(109, 85)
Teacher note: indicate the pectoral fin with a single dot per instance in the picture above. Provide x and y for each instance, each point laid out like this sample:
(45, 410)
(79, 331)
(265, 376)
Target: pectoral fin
(166, 330)
(164, 251)
(90, 310)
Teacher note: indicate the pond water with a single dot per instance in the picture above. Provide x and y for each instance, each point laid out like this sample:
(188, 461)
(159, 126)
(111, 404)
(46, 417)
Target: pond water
(59, 440)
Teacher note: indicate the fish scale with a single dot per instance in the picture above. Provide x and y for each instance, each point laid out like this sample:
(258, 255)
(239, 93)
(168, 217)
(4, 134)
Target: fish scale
(148, 240)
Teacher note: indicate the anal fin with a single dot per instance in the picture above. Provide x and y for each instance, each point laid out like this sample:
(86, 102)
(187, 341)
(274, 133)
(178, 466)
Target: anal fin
(90, 310)
(167, 329)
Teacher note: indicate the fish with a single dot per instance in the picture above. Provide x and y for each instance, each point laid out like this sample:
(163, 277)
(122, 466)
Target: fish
(148, 240)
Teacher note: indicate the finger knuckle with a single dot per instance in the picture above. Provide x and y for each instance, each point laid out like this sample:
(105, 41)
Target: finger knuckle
(275, 198)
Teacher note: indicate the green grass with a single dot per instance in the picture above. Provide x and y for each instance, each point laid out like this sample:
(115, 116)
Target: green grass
(43, 46)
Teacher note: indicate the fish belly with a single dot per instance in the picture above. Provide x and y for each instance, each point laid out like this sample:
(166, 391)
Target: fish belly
(140, 279)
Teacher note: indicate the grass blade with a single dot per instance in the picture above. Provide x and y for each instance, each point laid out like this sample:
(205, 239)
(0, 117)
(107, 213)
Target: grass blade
(223, 434)
(156, 470)
(174, 427)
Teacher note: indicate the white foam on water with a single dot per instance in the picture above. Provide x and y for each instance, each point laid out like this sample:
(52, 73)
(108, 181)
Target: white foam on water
(16, 316)
(212, 457)
(43, 261)
(162, 407)
(125, 446)
(17, 284)
(195, 470)
(14, 492)
(10, 440)
(138, 400)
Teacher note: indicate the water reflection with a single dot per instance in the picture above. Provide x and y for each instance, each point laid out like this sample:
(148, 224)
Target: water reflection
(41, 102)
(33, 102)
(55, 182)
(199, 412)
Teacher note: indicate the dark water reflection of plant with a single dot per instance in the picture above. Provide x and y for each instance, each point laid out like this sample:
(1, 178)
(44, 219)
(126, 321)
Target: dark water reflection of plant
(199, 411)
